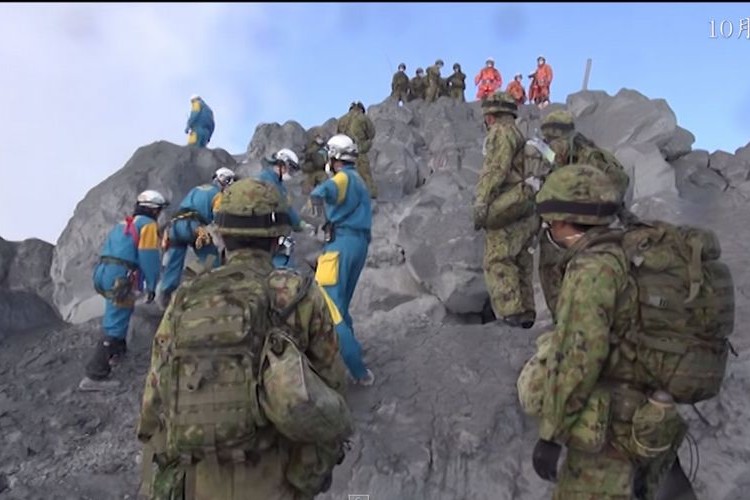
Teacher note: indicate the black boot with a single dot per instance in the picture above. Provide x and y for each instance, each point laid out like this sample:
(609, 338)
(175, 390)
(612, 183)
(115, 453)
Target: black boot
(107, 351)
(524, 320)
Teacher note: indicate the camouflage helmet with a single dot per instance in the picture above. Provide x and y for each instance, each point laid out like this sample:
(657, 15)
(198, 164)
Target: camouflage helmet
(420, 71)
(499, 102)
(402, 66)
(439, 62)
(457, 67)
(581, 194)
(253, 208)
(558, 119)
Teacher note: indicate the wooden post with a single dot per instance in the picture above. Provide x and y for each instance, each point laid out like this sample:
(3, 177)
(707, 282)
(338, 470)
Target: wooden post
(587, 74)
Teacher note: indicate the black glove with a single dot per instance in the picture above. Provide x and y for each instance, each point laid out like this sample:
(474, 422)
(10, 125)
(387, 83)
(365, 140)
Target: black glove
(150, 297)
(326, 483)
(545, 457)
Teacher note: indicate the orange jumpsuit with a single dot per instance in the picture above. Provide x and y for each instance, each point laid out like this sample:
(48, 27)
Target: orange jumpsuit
(515, 89)
(488, 80)
(539, 91)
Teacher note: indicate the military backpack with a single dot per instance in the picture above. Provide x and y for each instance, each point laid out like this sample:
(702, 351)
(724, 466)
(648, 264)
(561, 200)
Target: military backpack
(234, 367)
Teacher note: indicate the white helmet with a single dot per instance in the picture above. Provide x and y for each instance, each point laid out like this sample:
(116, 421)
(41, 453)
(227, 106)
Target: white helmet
(287, 156)
(224, 176)
(151, 199)
(342, 147)
(194, 97)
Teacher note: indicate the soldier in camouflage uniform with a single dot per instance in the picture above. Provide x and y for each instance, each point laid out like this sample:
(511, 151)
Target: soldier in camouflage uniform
(508, 262)
(418, 86)
(360, 128)
(400, 84)
(591, 391)
(457, 83)
(314, 164)
(434, 82)
(251, 219)
(571, 147)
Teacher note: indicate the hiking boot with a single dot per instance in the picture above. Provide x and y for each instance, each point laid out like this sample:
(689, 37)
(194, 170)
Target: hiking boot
(117, 348)
(524, 320)
(367, 380)
(91, 385)
(108, 352)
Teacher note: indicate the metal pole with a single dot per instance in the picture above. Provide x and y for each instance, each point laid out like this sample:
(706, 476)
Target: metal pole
(587, 74)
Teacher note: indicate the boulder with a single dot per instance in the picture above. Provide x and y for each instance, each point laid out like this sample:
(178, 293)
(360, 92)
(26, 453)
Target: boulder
(679, 145)
(7, 253)
(270, 137)
(694, 179)
(171, 169)
(731, 167)
(648, 171)
(23, 311)
(30, 268)
(743, 153)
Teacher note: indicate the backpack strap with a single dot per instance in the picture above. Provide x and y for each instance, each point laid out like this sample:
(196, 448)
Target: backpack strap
(305, 283)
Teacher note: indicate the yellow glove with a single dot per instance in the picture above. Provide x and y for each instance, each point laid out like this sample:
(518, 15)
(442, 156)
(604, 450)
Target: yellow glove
(202, 237)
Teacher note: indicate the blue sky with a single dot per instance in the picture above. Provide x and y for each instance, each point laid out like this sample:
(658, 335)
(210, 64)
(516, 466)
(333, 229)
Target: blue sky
(89, 84)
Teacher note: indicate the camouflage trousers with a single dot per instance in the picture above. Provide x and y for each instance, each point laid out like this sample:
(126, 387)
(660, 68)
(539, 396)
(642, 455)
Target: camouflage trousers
(363, 168)
(458, 94)
(312, 179)
(400, 95)
(508, 267)
(550, 273)
(264, 480)
(433, 92)
(595, 476)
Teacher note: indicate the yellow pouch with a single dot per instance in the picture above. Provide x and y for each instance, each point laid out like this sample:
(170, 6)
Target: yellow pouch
(327, 273)
(192, 138)
(589, 434)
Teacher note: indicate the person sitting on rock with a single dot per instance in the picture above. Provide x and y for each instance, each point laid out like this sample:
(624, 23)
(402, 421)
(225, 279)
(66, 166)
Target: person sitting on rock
(188, 229)
(418, 86)
(200, 124)
(516, 90)
(347, 208)
(129, 257)
(488, 80)
(457, 83)
(400, 84)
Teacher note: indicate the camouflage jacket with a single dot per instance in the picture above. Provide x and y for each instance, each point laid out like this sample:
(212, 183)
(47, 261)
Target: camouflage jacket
(577, 148)
(314, 159)
(400, 82)
(457, 80)
(597, 302)
(503, 161)
(418, 87)
(361, 129)
(342, 125)
(310, 321)
(433, 76)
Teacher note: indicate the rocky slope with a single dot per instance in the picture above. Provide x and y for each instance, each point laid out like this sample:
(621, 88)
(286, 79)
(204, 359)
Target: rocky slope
(442, 421)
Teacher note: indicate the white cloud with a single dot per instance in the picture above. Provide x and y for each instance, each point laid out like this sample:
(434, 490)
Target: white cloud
(85, 85)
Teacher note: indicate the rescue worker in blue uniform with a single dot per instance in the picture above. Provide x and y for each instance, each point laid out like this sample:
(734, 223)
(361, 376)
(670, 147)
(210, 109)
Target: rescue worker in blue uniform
(280, 167)
(188, 229)
(346, 201)
(200, 124)
(129, 259)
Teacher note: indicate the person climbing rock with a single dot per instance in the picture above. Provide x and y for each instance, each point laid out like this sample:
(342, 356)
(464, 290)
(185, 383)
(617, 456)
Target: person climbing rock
(200, 124)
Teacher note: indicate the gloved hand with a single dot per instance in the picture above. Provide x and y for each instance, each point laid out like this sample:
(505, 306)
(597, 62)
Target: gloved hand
(480, 217)
(534, 182)
(150, 297)
(545, 457)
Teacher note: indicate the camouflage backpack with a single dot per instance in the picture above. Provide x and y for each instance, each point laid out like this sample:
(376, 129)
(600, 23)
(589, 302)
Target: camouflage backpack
(686, 309)
(224, 323)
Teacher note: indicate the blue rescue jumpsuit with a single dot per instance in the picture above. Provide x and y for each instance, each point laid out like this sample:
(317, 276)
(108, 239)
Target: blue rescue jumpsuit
(201, 122)
(196, 210)
(268, 176)
(130, 256)
(348, 209)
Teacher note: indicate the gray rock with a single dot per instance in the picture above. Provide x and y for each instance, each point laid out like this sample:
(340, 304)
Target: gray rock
(694, 179)
(586, 102)
(30, 269)
(173, 170)
(680, 144)
(270, 137)
(7, 253)
(650, 174)
(743, 153)
(23, 311)
(732, 168)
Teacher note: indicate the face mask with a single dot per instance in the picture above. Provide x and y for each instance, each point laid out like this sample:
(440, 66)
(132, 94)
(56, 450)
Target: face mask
(285, 177)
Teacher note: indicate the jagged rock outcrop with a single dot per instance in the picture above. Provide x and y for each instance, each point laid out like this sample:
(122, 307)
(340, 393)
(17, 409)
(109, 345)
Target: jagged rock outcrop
(441, 421)
(25, 285)
(170, 169)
